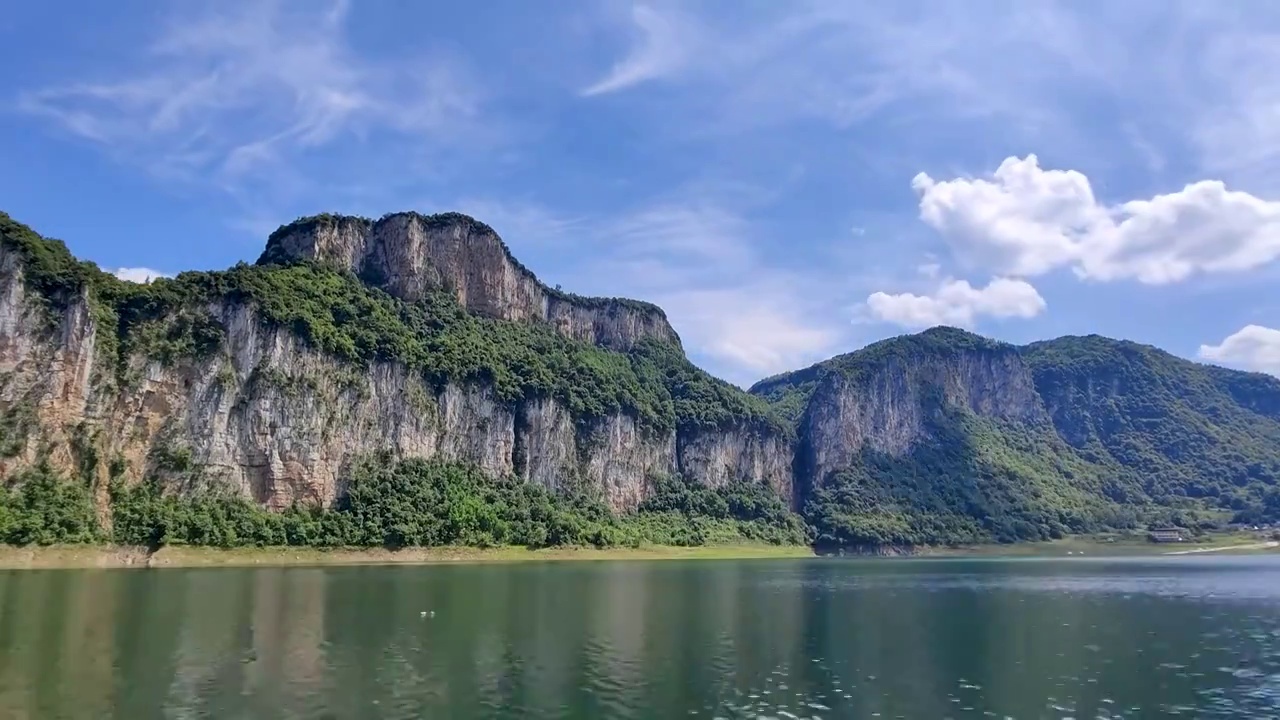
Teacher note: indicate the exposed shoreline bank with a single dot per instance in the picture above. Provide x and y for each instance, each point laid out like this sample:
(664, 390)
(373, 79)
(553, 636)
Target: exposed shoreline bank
(86, 557)
(1073, 546)
(114, 556)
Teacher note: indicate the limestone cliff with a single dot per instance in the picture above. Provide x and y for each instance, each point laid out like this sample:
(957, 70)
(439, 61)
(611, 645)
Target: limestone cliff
(240, 380)
(409, 255)
(886, 407)
(882, 398)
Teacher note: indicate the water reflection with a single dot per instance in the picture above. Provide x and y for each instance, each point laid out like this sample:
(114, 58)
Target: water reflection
(827, 639)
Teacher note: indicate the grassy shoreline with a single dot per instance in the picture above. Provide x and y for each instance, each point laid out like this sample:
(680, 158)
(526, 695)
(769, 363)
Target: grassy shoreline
(83, 556)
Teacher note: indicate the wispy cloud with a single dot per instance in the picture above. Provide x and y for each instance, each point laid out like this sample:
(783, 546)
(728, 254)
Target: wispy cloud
(227, 89)
(1046, 72)
(692, 230)
(840, 62)
(526, 224)
(1223, 78)
(699, 256)
(754, 328)
(662, 42)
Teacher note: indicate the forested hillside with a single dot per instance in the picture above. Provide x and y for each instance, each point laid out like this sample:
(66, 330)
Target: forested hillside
(946, 436)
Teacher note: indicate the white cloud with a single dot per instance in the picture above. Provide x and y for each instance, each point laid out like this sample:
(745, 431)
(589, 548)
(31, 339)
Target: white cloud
(229, 88)
(750, 330)
(929, 269)
(1252, 347)
(956, 302)
(1025, 220)
(139, 274)
(665, 39)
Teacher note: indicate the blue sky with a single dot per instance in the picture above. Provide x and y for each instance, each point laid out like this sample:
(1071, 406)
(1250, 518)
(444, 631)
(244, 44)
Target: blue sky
(790, 180)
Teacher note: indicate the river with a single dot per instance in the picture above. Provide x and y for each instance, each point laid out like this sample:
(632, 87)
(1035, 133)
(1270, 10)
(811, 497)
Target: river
(1189, 636)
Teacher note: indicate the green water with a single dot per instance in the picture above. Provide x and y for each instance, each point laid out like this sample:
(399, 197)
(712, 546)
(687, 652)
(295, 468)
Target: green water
(827, 638)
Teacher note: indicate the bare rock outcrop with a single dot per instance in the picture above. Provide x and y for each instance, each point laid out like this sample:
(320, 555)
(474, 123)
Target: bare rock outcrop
(410, 255)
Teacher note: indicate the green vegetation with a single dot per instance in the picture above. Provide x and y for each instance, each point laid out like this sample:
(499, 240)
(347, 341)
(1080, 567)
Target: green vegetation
(1132, 437)
(975, 481)
(1173, 432)
(17, 421)
(42, 508)
(699, 400)
(157, 320)
(680, 511)
(410, 503)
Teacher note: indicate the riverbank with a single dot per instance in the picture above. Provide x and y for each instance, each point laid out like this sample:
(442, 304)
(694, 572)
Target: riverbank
(1115, 546)
(83, 556)
(79, 556)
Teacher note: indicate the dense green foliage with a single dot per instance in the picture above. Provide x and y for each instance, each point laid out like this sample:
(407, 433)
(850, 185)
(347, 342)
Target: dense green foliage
(1133, 436)
(975, 480)
(410, 503)
(336, 313)
(699, 400)
(39, 507)
(681, 511)
(1171, 429)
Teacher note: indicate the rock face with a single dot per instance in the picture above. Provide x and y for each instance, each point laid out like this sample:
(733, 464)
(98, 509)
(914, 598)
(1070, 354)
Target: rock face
(280, 422)
(886, 410)
(738, 454)
(884, 398)
(410, 255)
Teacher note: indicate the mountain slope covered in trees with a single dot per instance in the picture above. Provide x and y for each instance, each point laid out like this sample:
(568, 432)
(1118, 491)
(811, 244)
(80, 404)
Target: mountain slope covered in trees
(946, 436)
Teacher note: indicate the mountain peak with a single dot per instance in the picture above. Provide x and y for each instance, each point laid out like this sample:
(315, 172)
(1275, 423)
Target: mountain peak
(410, 255)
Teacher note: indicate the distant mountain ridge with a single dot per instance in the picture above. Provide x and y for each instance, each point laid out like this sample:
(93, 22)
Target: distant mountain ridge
(420, 337)
(947, 436)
